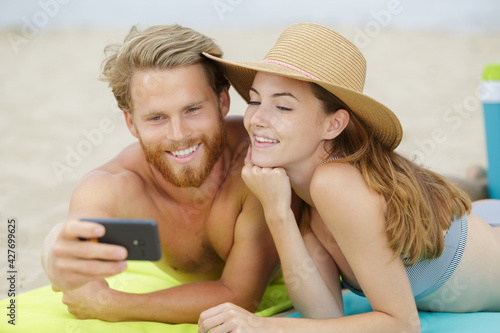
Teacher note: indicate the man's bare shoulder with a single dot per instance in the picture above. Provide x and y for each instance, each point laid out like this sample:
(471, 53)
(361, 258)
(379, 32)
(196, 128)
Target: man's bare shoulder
(130, 159)
(125, 172)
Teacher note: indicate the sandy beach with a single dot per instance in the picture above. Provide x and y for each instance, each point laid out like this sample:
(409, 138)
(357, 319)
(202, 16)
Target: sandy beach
(58, 121)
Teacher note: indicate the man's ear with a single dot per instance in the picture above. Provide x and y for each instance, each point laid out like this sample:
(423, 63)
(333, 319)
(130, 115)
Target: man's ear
(335, 123)
(130, 123)
(224, 102)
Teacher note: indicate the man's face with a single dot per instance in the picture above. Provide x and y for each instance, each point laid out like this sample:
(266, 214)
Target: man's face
(178, 120)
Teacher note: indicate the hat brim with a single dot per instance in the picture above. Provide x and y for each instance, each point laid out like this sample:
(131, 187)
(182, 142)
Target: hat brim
(379, 118)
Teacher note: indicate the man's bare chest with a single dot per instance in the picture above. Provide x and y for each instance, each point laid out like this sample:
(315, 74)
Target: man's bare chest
(196, 239)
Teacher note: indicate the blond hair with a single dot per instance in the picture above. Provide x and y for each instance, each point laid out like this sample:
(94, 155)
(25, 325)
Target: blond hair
(158, 47)
(420, 203)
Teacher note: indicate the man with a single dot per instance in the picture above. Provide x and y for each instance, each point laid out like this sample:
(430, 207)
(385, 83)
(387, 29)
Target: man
(184, 173)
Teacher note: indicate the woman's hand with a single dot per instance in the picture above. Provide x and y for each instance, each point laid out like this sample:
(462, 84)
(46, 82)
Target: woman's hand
(270, 185)
(228, 317)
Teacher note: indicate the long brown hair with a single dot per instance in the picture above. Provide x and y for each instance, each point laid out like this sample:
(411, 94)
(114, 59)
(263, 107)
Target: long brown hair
(420, 203)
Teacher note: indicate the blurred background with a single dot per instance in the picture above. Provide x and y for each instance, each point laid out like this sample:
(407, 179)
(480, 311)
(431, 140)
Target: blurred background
(58, 121)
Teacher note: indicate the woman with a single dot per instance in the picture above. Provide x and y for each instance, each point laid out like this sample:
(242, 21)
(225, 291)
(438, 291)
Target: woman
(401, 235)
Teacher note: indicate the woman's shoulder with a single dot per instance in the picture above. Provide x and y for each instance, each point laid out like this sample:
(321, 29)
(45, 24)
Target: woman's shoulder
(341, 183)
(335, 175)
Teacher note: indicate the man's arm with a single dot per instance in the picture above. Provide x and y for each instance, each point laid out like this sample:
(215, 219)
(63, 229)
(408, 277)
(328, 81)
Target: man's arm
(71, 263)
(248, 269)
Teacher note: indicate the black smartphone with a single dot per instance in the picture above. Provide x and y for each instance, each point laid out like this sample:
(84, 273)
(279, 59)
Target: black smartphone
(139, 236)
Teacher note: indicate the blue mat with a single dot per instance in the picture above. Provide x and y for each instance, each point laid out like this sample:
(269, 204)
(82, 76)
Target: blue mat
(433, 322)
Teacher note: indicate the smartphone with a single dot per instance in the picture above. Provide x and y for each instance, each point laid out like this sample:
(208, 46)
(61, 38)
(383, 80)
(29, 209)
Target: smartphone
(139, 236)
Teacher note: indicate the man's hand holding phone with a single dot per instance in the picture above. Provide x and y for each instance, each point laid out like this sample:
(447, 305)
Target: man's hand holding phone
(74, 262)
(94, 248)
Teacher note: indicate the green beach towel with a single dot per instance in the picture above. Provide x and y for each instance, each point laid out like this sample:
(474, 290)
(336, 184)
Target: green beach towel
(42, 310)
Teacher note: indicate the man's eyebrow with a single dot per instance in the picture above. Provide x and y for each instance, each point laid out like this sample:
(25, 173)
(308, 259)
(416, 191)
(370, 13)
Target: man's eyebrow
(185, 107)
(195, 103)
(151, 113)
(276, 94)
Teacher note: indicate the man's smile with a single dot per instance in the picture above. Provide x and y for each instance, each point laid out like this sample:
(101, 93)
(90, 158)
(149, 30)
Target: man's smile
(185, 152)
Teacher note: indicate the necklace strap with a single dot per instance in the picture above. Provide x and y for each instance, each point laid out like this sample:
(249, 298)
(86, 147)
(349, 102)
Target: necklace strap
(330, 160)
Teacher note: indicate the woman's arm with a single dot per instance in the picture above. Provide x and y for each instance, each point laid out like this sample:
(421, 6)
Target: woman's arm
(311, 276)
(358, 225)
(228, 317)
(355, 215)
(305, 267)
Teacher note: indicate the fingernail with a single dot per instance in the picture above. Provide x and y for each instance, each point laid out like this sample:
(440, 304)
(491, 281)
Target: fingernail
(121, 253)
(99, 231)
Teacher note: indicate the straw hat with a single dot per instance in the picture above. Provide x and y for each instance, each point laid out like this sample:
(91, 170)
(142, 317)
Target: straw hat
(313, 53)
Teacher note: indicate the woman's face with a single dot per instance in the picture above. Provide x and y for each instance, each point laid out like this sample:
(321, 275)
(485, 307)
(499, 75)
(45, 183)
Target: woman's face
(284, 120)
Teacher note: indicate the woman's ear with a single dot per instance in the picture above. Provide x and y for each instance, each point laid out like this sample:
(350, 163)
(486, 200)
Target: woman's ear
(336, 123)
(130, 123)
(224, 102)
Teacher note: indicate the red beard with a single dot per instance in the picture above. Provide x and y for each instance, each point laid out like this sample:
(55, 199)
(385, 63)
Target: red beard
(187, 176)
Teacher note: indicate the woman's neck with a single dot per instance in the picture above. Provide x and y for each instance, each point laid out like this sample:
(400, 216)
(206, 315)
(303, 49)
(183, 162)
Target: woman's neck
(300, 176)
